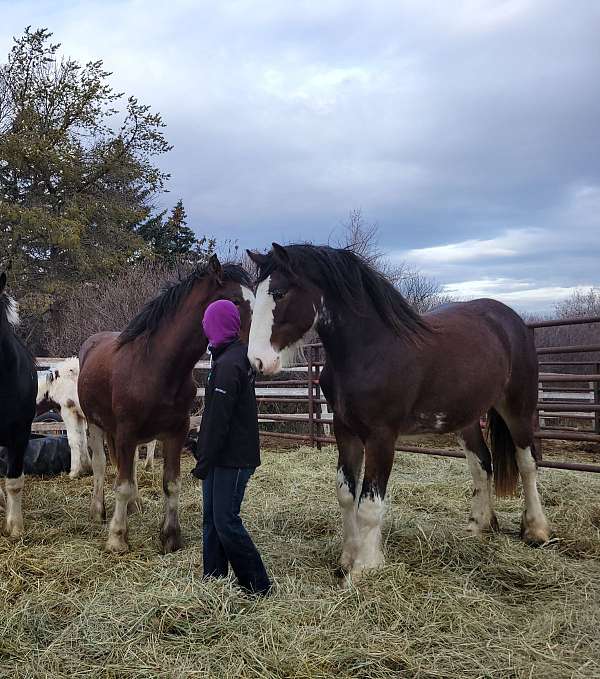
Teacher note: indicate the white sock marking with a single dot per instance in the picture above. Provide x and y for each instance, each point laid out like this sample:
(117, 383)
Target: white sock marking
(96, 445)
(482, 504)
(535, 518)
(369, 520)
(347, 503)
(124, 494)
(14, 509)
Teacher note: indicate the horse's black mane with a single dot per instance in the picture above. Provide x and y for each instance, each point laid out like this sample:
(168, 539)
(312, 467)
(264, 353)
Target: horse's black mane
(349, 281)
(150, 317)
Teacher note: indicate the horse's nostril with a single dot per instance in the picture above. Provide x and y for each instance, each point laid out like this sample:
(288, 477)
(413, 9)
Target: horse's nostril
(259, 365)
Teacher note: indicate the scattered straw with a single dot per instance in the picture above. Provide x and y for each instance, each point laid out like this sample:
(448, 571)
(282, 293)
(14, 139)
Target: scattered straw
(445, 605)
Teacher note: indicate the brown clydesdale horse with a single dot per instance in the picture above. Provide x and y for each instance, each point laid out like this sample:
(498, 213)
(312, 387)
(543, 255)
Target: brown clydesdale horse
(390, 372)
(137, 386)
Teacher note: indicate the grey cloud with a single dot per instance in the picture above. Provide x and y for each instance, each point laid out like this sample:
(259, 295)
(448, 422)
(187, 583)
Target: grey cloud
(444, 122)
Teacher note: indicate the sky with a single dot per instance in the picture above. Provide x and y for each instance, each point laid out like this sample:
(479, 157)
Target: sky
(466, 130)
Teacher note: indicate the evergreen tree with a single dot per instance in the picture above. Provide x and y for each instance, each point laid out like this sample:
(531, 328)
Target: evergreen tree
(77, 171)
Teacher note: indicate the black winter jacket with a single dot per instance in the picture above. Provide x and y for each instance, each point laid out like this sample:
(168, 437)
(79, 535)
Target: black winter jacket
(229, 429)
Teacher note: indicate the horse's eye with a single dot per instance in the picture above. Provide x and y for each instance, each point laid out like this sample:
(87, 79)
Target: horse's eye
(278, 294)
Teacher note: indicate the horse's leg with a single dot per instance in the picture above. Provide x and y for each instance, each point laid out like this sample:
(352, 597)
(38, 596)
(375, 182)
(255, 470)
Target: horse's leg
(170, 531)
(150, 448)
(96, 448)
(534, 525)
(14, 487)
(479, 460)
(75, 424)
(379, 458)
(124, 493)
(135, 504)
(350, 461)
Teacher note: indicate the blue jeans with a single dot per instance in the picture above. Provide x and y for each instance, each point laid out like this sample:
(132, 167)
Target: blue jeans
(225, 540)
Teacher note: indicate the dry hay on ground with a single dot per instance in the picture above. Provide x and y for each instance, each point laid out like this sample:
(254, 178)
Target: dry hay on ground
(445, 605)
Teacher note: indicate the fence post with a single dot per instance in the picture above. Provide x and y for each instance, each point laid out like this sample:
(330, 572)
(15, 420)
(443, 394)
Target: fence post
(311, 396)
(597, 401)
(538, 423)
(319, 409)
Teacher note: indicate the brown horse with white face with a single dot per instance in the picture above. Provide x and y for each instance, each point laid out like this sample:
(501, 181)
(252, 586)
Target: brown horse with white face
(137, 386)
(390, 372)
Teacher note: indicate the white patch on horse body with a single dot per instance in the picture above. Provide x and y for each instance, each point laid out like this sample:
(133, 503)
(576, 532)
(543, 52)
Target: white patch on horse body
(534, 519)
(482, 512)
(260, 351)
(248, 296)
(60, 386)
(323, 316)
(12, 312)
(369, 517)
(347, 503)
(14, 510)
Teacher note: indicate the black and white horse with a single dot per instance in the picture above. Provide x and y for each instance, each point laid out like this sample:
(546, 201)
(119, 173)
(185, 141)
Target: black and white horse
(18, 388)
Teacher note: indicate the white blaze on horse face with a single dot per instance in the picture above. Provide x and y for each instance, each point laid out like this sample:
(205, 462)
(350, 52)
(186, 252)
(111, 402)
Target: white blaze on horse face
(261, 353)
(12, 312)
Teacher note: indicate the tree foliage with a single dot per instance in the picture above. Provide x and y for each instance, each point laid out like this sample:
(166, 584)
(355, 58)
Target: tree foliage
(77, 171)
(172, 240)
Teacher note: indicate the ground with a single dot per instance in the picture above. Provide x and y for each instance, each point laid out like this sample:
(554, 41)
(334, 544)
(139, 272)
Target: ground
(445, 605)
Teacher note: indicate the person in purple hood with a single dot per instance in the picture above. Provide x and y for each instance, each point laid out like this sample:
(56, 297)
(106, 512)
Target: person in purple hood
(228, 452)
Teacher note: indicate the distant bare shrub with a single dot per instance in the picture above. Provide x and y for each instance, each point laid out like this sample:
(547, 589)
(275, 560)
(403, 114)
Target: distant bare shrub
(422, 292)
(104, 305)
(579, 304)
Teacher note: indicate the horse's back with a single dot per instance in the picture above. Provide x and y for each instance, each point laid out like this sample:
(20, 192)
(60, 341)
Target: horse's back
(99, 341)
(94, 385)
(488, 318)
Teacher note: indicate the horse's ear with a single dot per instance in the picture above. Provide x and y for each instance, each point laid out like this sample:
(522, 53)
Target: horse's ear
(2, 282)
(258, 258)
(281, 255)
(215, 267)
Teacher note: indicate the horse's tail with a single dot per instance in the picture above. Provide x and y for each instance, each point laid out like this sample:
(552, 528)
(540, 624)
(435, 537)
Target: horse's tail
(504, 460)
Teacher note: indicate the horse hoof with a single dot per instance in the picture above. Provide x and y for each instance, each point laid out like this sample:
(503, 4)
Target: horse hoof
(534, 533)
(116, 544)
(346, 561)
(171, 541)
(13, 531)
(476, 529)
(80, 472)
(98, 513)
(135, 507)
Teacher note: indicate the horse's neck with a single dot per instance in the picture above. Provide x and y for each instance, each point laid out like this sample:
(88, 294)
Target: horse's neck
(180, 342)
(352, 339)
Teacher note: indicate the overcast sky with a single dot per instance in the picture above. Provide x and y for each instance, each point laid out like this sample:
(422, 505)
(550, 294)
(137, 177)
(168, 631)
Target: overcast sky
(467, 130)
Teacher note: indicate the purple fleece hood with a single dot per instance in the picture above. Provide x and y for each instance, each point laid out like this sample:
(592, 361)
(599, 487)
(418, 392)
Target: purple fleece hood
(221, 322)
